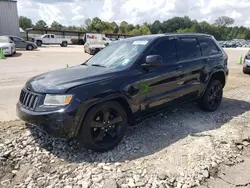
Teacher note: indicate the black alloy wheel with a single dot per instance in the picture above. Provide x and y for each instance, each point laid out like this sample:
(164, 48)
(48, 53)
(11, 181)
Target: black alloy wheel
(104, 127)
(212, 97)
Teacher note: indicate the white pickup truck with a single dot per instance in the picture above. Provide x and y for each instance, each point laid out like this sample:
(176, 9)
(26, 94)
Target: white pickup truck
(51, 39)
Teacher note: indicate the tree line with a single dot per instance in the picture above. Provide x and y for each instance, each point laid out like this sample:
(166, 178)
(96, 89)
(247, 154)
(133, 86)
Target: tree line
(221, 29)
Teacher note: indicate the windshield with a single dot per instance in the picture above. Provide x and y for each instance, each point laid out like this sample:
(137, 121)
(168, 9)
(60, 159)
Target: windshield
(119, 54)
(4, 39)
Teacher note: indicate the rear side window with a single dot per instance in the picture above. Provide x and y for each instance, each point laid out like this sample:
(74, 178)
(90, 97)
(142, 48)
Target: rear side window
(167, 50)
(188, 48)
(208, 47)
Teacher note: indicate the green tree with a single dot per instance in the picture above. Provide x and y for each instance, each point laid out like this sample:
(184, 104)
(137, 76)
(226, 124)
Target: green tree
(224, 21)
(155, 27)
(56, 25)
(41, 24)
(25, 22)
(87, 25)
(123, 27)
(96, 25)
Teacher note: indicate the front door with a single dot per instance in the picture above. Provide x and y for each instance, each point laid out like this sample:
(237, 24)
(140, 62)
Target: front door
(159, 85)
(19, 42)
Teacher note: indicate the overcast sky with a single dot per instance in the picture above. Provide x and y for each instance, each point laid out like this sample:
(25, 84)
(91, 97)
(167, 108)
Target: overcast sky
(74, 12)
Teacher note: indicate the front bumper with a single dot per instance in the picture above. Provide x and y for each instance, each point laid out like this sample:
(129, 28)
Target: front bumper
(7, 51)
(246, 65)
(58, 124)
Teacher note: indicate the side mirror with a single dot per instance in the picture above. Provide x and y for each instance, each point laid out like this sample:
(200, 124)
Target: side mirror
(11, 41)
(152, 61)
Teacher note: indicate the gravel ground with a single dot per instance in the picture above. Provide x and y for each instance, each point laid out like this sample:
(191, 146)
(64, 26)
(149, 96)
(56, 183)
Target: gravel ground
(181, 147)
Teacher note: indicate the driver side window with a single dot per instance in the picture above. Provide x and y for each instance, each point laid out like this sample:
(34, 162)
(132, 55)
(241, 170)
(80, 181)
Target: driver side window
(167, 50)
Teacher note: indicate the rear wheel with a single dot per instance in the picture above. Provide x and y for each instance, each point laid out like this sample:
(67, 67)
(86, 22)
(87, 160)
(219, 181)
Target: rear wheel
(212, 97)
(39, 43)
(30, 47)
(64, 44)
(103, 127)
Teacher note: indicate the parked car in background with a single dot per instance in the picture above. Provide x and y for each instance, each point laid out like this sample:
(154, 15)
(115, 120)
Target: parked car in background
(51, 39)
(246, 64)
(128, 80)
(95, 42)
(8, 46)
(21, 43)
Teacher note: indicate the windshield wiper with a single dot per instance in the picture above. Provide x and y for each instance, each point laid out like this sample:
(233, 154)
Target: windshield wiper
(97, 65)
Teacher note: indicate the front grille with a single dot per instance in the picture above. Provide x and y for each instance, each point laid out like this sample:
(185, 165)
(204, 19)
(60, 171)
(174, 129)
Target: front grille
(28, 100)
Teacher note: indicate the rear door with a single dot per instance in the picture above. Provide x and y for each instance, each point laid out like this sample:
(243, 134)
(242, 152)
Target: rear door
(159, 85)
(213, 58)
(190, 59)
(53, 40)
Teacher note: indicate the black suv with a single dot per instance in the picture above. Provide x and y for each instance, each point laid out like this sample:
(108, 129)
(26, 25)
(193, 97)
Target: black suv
(97, 100)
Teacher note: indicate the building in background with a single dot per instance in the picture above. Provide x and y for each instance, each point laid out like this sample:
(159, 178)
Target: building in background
(9, 22)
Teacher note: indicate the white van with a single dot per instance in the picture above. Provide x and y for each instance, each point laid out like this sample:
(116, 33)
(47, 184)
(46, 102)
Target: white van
(94, 42)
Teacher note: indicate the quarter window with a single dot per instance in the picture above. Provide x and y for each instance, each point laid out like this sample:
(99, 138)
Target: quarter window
(188, 48)
(208, 47)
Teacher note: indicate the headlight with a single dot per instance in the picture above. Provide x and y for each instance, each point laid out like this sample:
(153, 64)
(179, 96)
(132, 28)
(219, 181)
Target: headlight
(57, 100)
(5, 48)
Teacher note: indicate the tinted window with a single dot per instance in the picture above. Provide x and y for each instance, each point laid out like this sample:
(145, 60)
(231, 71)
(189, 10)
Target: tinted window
(167, 50)
(52, 36)
(208, 47)
(188, 48)
(16, 39)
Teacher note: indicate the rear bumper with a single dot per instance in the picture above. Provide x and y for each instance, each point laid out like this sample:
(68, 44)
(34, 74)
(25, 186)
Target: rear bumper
(56, 123)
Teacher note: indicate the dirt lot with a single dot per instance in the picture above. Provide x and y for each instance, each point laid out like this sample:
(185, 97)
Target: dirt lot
(181, 147)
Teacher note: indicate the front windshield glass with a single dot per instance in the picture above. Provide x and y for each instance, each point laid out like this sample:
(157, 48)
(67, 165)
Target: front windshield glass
(119, 54)
(4, 39)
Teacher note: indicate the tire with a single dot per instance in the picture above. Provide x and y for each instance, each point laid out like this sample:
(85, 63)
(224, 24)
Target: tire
(39, 43)
(211, 99)
(97, 132)
(245, 72)
(64, 44)
(30, 47)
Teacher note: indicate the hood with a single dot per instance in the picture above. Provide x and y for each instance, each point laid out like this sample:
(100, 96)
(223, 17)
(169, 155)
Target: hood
(61, 80)
(4, 44)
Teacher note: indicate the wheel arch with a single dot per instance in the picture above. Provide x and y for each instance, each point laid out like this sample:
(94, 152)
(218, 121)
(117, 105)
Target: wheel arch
(219, 75)
(85, 108)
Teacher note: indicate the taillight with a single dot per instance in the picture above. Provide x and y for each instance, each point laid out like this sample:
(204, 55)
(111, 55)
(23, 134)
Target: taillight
(226, 56)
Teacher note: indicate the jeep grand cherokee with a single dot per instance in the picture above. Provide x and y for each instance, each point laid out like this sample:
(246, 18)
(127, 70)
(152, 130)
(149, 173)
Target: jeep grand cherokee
(96, 101)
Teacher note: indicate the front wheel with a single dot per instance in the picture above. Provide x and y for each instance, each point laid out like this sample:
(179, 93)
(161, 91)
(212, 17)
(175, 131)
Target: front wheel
(103, 127)
(212, 97)
(245, 72)
(30, 47)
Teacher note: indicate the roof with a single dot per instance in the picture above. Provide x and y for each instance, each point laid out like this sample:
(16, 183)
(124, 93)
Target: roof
(151, 37)
(10, 0)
